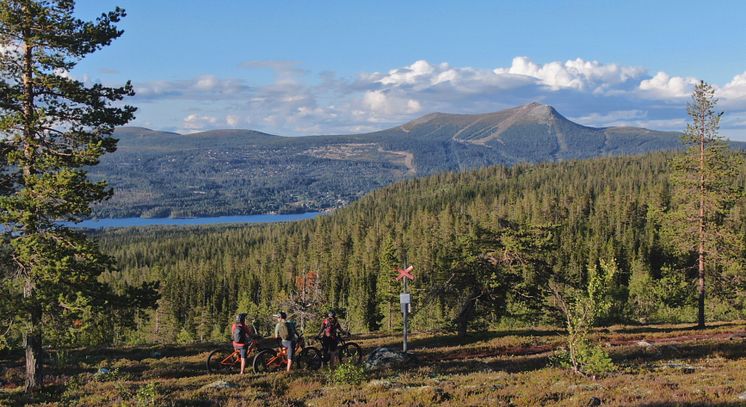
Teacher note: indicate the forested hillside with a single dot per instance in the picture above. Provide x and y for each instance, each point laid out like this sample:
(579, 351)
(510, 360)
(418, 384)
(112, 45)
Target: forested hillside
(495, 236)
(231, 172)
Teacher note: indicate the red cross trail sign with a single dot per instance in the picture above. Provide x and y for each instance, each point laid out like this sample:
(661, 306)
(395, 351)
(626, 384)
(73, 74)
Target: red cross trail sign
(405, 273)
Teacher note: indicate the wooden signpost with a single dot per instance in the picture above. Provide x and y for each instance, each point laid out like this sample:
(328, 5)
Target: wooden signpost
(405, 299)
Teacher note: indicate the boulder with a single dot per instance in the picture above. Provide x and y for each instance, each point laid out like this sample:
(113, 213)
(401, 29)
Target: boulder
(645, 344)
(386, 358)
(220, 384)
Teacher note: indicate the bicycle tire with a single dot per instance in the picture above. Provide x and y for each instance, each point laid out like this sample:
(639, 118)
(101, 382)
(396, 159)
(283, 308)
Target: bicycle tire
(352, 352)
(263, 362)
(310, 359)
(214, 360)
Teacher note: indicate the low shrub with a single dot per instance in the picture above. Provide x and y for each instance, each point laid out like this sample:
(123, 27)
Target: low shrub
(348, 373)
(590, 359)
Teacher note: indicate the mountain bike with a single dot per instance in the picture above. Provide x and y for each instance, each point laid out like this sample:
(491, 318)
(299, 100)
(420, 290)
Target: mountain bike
(223, 361)
(270, 360)
(349, 350)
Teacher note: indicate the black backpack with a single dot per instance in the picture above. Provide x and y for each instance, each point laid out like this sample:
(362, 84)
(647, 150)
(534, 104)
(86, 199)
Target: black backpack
(239, 336)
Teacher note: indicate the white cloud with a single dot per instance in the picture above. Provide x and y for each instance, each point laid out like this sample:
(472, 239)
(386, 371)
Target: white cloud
(231, 120)
(664, 86)
(379, 103)
(575, 74)
(612, 118)
(296, 103)
(195, 122)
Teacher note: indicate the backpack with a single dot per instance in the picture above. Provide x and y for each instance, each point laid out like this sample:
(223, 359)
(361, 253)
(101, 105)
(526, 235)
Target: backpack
(239, 336)
(330, 328)
(284, 331)
(293, 331)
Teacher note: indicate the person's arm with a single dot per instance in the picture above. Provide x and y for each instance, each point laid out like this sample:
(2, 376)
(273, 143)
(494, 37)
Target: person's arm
(323, 324)
(249, 331)
(341, 331)
(277, 331)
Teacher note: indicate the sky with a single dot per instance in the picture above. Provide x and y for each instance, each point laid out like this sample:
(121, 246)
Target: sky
(334, 67)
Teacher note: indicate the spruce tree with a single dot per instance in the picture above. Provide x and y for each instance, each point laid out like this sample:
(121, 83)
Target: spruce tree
(704, 180)
(52, 127)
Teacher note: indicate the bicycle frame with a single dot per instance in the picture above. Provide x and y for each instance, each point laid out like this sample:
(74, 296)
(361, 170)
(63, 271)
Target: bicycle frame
(235, 357)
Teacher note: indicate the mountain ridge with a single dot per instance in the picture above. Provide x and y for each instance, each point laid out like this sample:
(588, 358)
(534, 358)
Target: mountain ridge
(238, 171)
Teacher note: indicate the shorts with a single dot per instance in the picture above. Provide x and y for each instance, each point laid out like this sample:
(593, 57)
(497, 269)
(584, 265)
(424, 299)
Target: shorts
(290, 346)
(328, 344)
(243, 349)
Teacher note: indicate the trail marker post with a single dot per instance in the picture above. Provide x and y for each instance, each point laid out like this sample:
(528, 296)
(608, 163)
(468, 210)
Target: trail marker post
(405, 299)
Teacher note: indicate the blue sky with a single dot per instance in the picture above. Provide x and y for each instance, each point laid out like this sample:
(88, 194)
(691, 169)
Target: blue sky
(311, 67)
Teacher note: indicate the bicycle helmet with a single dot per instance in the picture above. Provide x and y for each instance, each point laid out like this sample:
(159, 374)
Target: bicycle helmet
(332, 314)
(241, 318)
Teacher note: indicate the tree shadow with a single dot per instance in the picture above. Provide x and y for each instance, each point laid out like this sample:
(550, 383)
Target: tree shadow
(458, 366)
(688, 351)
(649, 329)
(471, 338)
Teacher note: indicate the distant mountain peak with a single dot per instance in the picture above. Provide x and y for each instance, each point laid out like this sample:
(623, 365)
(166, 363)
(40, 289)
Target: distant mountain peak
(538, 112)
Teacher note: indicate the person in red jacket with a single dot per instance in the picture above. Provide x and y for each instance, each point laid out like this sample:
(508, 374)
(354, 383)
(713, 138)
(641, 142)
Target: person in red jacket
(329, 336)
(242, 335)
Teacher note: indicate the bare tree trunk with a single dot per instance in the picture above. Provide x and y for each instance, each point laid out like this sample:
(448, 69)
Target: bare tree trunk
(32, 342)
(701, 248)
(391, 315)
(32, 336)
(466, 313)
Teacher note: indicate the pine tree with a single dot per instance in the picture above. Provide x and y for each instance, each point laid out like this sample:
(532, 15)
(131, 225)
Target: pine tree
(387, 286)
(53, 127)
(704, 193)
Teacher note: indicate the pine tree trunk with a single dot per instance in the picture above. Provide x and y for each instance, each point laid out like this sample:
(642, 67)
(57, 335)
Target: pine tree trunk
(32, 335)
(32, 342)
(466, 313)
(701, 248)
(391, 316)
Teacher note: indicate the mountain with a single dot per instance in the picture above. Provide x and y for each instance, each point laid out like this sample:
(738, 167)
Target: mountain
(223, 172)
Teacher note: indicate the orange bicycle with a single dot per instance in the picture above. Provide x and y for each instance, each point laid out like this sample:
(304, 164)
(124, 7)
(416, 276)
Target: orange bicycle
(222, 361)
(269, 360)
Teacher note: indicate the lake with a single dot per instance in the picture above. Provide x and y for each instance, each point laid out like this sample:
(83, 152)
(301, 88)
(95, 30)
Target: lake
(215, 220)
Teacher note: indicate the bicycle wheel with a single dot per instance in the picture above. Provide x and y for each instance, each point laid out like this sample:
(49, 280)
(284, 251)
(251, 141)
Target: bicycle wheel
(309, 359)
(352, 352)
(266, 361)
(217, 363)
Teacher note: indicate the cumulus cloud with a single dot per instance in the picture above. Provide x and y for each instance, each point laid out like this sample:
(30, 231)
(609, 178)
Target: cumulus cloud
(195, 122)
(574, 74)
(297, 102)
(663, 86)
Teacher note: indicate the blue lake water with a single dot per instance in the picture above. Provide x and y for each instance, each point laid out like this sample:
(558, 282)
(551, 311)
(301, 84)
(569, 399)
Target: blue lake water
(215, 220)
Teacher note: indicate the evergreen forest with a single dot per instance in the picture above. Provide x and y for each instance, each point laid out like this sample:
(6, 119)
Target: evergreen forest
(486, 245)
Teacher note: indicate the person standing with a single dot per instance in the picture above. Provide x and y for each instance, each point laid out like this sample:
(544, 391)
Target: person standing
(284, 332)
(329, 335)
(242, 336)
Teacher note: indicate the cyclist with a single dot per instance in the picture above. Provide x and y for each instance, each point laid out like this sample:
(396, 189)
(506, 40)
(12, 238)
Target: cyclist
(285, 332)
(242, 335)
(329, 335)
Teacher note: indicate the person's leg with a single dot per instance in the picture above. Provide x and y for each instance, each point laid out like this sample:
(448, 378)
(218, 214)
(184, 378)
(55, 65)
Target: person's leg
(243, 359)
(333, 352)
(325, 350)
(289, 346)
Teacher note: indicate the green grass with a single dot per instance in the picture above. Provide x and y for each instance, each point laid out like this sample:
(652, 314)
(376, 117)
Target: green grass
(685, 367)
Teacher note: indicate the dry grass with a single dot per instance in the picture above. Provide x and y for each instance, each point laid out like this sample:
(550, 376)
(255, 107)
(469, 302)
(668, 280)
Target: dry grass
(684, 367)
